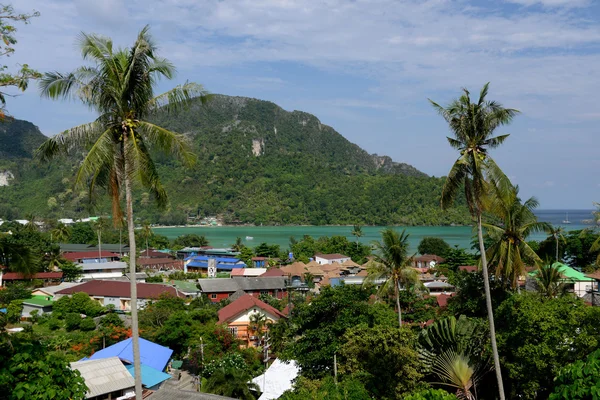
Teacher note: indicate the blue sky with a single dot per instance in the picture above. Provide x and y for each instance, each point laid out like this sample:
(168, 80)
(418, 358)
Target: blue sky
(366, 68)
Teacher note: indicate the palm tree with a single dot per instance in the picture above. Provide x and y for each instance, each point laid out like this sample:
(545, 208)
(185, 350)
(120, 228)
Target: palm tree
(32, 223)
(596, 244)
(550, 282)
(509, 251)
(452, 350)
(391, 266)
(238, 245)
(473, 126)
(17, 257)
(231, 382)
(61, 233)
(146, 234)
(557, 232)
(100, 225)
(119, 85)
(358, 233)
(258, 322)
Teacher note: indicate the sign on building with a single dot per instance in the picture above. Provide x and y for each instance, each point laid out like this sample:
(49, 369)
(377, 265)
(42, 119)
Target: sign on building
(212, 268)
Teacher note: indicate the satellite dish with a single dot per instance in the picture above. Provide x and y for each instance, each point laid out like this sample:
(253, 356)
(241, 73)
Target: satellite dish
(432, 264)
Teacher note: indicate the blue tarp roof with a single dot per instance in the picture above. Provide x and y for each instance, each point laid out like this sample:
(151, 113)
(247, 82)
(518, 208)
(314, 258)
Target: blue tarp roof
(229, 260)
(226, 267)
(151, 354)
(150, 376)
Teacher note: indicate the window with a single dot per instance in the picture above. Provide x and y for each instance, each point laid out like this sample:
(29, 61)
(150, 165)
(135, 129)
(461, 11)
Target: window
(233, 331)
(213, 296)
(264, 292)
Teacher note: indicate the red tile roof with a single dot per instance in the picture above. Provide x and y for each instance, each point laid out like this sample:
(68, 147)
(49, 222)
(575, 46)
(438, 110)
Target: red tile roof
(237, 272)
(442, 299)
(167, 262)
(273, 272)
(429, 257)
(155, 254)
(80, 255)
(17, 276)
(121, 289)
(468, 268)
(335, 256)
(244, 303)
(594, 275)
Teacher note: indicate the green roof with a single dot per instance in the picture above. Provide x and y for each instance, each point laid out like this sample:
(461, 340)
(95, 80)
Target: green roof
(568, 272)
(185, 286)
(38, 301)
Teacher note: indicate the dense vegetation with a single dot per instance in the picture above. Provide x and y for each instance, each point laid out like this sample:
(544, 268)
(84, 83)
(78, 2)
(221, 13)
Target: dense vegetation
(304, 173)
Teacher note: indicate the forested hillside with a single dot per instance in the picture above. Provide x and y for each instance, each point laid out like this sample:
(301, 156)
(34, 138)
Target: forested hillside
(257, 163)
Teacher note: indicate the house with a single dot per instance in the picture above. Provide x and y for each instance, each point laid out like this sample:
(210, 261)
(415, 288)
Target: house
(593, 296)
(223, 264)
(189, 289)
(120, 249)
(47, 277)
(295, 272)
(237, 316)
(152, 253)
(330, 258)
(260, 262)
(160, 264)
(51, 290)
(97, 264)
(91, 256)
(118, 293)
(273, 272)
(217, 289)
(153, 357)
(427, 261)
(248, 272)
(438, 287)
(105, 378)
(42, 304)
(577, 282)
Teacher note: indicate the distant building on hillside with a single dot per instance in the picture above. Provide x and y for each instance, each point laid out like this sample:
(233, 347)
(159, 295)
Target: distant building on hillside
(427, 261)
(97, 264)
(331, 258)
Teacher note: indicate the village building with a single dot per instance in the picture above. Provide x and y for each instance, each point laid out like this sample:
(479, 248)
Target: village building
(223, 264)
(105, 378)
(330, 258)
(576, 282)
(247, 272)
(97, 264)
(427, 261)
(221, 289)
(238, 315)
(48, 278)
(118, 293)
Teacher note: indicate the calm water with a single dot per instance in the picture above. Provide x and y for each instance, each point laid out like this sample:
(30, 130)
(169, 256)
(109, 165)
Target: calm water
(224, 236)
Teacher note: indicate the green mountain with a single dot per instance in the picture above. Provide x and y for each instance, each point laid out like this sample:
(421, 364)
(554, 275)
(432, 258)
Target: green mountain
(257, 163)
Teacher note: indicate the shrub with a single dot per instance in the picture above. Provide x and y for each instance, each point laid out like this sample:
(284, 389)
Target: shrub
(87, 324)
(431, 394)
(72, 321)
(54, 323)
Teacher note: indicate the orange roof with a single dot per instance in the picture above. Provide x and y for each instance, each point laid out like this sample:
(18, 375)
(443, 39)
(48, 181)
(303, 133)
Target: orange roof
(244, 303)
(296, 269)
(442, 299)
(594, 275)
(315, 270)
(273, 272)
(468, 268)
(331, 267)
(363, 272)
(313, 263)
(350, 263)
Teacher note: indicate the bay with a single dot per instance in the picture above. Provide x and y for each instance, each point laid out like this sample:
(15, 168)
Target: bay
(225, 236)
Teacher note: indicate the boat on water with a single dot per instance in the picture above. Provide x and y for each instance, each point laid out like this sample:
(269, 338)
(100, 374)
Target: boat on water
(249, 237)
(566, 220)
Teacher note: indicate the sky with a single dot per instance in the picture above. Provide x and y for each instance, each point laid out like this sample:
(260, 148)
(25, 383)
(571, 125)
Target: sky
(367, 68)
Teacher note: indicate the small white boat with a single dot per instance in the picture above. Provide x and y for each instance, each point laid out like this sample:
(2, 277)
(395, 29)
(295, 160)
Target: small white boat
(566, 221)
(249, 238)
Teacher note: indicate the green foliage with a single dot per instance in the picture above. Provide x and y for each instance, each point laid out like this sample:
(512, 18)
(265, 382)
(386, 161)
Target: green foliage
(155, 279)
(15, 291)
(327, 389)
(321, 324)
(309, 246)
(383, 358)
(87, 324)
(29, 370)
(71, 271)
(72, 321)
(433, 245)
(231, 382)
(537, 337)
(579, 381)
(578, 252)
(431, 394)
(82, 232)
(79, 303)
(112, 319)
(469, 299)
(457, 257)
(14, 310)
(191, 240)
(266, 250)
(34, 316)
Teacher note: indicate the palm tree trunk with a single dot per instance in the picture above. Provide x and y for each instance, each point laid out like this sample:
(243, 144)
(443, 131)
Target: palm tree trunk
(398, 304)
(490, 311)
(99, 245)
(135, 334)
(556, 248)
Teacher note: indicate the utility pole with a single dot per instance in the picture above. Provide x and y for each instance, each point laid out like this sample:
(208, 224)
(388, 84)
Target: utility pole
(202, 362)
(266, 359)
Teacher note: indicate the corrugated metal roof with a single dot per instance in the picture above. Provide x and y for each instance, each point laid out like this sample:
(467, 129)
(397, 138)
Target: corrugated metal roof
(104, 376)
(261, 283)
(218, 285)
(151, 354)
(103, 265)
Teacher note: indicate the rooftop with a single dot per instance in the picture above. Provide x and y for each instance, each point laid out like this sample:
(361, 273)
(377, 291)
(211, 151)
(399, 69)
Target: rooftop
(104, 376)
(334, 256)
(568, 273)
(82, 255)
(121, 289)
(273, 272)
(17, 276)
(38, 301)
(151, 354)
(244, 303)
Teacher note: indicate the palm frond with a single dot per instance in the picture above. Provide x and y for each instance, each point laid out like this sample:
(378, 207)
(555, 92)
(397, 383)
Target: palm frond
(178, 98)
(168, 142)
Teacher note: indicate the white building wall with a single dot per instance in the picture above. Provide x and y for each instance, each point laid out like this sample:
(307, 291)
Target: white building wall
(322, 261)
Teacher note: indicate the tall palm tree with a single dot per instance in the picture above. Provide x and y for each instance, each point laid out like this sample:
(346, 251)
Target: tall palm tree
(61, 233)
(17, 257)
(596, 244)
(473, 126)
(238, 245)
(550, 282)
(146, 233)
(509, 251)
(32, 223)
(100, 225)
(558, 233)
(258, 322)
(119, 85)
(358, 233)
(391, 266)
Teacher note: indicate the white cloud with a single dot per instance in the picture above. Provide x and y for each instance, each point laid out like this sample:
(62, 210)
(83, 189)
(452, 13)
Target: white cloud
(552, 3)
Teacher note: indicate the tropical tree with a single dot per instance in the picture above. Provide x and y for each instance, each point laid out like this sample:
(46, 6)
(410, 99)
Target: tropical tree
(61, 233)
(391, 267)
(32, 223)
(238, 245)
(231, 382)
(473, 126)
(550, 282)
(557, 232)
(596, 244)
(17, 257)
(146, 233)
(119, 85)
(509, 251)
(357, 232)
(100, 225)
(258, 322)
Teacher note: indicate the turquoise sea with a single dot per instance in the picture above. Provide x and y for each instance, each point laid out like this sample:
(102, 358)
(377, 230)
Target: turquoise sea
(224, 236)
